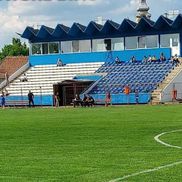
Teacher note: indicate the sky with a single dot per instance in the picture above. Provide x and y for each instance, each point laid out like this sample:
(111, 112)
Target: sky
(15, 15)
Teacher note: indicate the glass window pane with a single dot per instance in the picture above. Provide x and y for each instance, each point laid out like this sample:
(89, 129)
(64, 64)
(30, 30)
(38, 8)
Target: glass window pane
(152, 41)
(98, 45)
(142, 42)
(131, 42)
(175, 40)
(117, 44)
(107, 43)
(53, 48)
(169, 40)
(75, 46)
(36, 48)
(66, 46)
(45, 48)
(165, 41)
(85, 45)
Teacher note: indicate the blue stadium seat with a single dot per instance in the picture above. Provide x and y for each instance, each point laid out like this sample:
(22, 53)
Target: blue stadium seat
(141, 76)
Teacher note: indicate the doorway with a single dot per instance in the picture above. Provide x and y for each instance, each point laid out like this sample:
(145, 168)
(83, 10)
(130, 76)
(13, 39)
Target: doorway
(68, 89)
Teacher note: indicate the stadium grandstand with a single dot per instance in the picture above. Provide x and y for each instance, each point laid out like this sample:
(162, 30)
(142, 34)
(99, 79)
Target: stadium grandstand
(88, 61)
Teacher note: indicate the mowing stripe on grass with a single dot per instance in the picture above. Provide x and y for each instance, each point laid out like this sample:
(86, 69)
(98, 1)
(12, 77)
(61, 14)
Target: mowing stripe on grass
(146, 171)
(156, 138)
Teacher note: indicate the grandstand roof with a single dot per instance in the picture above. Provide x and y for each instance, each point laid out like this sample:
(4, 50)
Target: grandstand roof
(109, 30)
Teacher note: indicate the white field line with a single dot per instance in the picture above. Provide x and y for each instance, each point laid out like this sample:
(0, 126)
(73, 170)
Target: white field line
(157, 168)
(156, 138)
(146, 171)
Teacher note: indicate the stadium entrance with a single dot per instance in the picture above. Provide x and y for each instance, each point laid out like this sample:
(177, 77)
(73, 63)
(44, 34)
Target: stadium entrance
(68, 89)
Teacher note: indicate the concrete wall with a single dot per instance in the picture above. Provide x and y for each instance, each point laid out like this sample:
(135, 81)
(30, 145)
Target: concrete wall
(167, 92)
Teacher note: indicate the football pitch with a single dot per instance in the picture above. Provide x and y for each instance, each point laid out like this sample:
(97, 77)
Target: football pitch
(127, 143)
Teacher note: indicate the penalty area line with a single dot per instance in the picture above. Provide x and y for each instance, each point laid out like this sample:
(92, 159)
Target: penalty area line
(146, 171)
(156, 138)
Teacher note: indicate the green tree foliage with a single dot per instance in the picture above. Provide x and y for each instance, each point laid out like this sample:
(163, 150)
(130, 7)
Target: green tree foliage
(15, 49)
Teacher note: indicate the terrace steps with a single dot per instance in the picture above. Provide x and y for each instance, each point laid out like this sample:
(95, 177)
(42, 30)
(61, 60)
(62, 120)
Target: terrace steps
(156, 94)
(42, 78)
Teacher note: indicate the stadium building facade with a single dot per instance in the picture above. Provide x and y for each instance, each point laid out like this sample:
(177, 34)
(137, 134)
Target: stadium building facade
(95, 45)
(93, 42)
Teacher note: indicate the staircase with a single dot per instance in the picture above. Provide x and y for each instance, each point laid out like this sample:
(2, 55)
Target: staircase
(156, 94)
(12, 67)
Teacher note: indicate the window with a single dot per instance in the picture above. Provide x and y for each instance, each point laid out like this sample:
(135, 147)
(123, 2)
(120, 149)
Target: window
(75, 46)
(152, 41)
(117, 44)
(131, 42)
(101, 45)
(45, 48)
(66, 46)
(107, 43)
(53, 48)
(141, 42)
(169, 40)
(36, 48)
(98, 45)
(85, 45)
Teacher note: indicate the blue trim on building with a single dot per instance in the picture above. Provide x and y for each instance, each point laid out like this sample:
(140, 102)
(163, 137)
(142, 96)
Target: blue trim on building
(97, 56)
(144, 98)
(47, 100)
(88, 77)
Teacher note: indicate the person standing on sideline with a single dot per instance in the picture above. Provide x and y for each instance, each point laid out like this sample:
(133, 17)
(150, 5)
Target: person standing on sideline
(136, 96)
(127, 92)
(108, 99)
(30, 99)
(3, 101)
(56, 99)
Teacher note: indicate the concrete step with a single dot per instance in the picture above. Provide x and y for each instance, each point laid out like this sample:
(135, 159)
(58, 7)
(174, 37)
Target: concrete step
(156, 102)
(158, 90)
(169, 79)
(157, 93)
(172, 75)
(156, 97)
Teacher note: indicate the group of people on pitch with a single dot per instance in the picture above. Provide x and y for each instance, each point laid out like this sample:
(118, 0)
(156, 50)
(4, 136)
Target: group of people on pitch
(87, 101)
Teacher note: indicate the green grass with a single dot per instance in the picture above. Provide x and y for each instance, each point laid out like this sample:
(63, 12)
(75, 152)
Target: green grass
(173, 138)
(89, 144)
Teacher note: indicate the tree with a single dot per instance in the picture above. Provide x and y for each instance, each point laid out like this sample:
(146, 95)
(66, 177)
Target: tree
(15, 49)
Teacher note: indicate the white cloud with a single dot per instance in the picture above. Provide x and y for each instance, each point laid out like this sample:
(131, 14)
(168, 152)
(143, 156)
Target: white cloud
(16, 15)
(20, 14)
(126, 8)
(20, 7)
(90, 2)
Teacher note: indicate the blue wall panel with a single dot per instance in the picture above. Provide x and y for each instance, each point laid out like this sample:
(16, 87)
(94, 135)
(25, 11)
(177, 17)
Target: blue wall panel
(89, 77)
(38, 100)
(144, 98)
(47, 100)
(97, 56)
